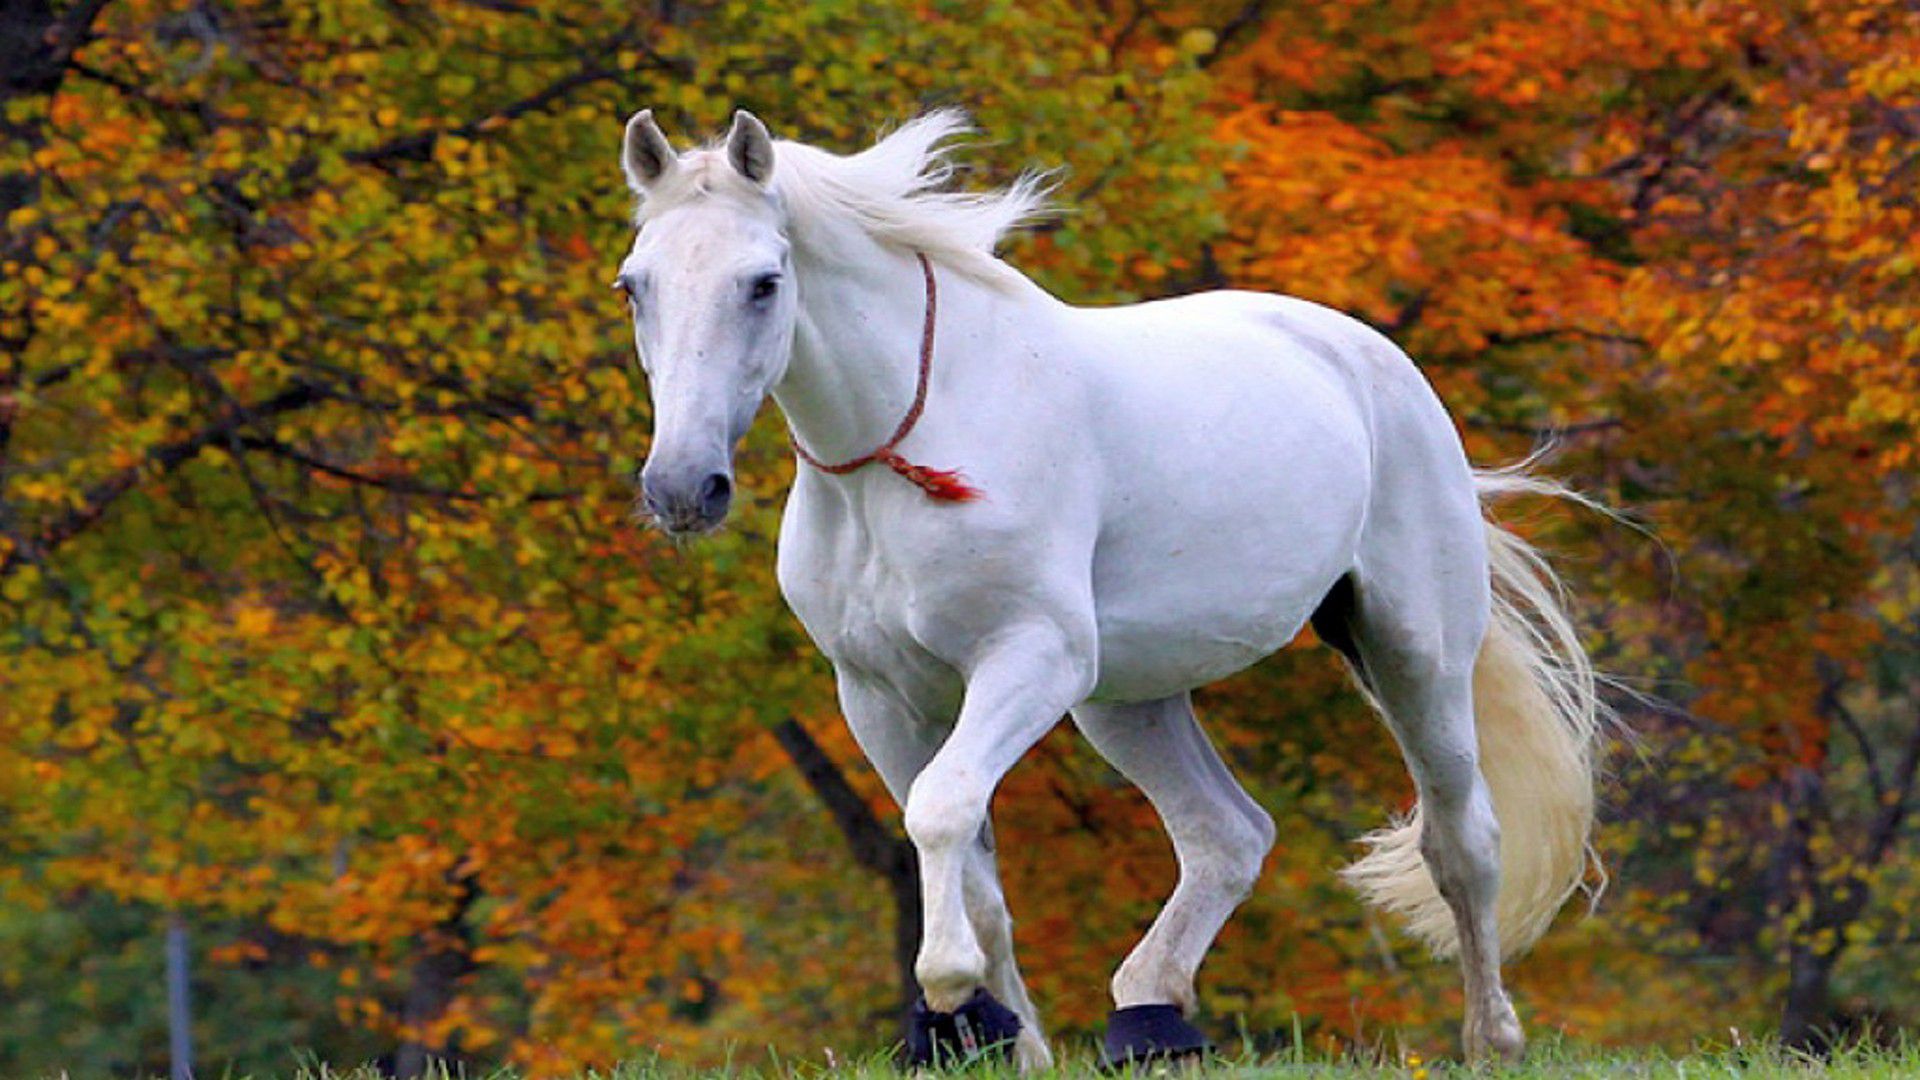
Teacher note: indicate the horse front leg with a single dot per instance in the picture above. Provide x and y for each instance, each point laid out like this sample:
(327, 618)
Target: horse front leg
(1016, 691)
(899, 738)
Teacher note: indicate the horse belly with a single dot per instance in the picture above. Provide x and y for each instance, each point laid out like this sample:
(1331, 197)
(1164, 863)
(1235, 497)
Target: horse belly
(1196, 596)
(1144, 662)
(1197, 614)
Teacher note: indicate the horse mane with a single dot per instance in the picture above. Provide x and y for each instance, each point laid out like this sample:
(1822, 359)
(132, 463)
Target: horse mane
(891, 192)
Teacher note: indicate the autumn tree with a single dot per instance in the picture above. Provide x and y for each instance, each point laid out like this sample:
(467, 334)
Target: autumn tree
(1680, 240)
(326, 629)
(327, 626)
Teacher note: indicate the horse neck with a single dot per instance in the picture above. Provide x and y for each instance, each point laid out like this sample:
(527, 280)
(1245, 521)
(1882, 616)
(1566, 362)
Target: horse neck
(856, 350)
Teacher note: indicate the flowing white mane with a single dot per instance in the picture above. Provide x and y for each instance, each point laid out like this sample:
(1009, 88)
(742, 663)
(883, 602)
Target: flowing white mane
(891, 192)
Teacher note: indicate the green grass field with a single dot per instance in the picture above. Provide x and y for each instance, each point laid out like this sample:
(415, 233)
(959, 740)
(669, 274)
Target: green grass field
(1548, 1063)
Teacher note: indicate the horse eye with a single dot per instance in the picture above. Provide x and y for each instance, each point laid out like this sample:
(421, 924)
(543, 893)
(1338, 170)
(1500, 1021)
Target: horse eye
(625, 289)
(765, 286)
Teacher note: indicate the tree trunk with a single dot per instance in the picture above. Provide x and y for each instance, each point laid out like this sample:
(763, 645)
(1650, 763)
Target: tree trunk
(875, 847)
(446, 958)
(903, 879)
(1807, 1013)
(179, 1002)
(1808, 1019)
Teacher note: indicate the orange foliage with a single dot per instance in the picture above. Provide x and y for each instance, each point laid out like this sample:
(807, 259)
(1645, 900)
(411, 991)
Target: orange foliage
(322, 612)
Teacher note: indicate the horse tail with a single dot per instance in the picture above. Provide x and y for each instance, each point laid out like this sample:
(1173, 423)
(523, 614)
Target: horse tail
(1538, 715)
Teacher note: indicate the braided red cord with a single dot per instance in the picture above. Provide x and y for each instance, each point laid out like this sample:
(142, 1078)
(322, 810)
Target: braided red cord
(944, 484)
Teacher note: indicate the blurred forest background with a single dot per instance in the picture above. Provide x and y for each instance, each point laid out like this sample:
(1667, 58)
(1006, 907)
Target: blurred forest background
(330, 657)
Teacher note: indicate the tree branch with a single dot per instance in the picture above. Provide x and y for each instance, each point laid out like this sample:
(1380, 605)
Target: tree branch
(1249, 15)
(161, 460)
(419, 146)
(401, 485)
(874, 846)
(1897, 802)
(37, 44)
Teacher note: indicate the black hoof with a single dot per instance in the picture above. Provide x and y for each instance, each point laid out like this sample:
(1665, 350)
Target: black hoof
(980, 1030)
(1143, 1034)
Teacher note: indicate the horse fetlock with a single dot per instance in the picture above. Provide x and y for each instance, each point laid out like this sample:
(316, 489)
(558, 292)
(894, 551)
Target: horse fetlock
(1152, 980)
(1492, 1032)
(949, 972)
(1030, 1051)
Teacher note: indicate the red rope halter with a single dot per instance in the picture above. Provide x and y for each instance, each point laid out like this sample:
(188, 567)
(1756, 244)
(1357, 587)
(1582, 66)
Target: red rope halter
(944, 484)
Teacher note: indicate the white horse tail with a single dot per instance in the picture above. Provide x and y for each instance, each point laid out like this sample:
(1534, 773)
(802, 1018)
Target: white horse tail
(1539, 715)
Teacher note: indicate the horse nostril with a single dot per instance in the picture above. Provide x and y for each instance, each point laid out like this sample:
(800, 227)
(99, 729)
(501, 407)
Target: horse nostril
(716, 492)
(652, 502)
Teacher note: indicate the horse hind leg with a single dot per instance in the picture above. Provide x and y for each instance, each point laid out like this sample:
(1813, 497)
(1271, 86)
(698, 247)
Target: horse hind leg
(1221, 837)
(1460, 845)
(1414, 633)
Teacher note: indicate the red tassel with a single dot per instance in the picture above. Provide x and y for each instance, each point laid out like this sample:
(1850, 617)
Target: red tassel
(946, 485)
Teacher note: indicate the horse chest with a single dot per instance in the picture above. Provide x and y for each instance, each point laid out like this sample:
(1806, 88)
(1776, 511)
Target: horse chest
(861, 625)
(858, 600)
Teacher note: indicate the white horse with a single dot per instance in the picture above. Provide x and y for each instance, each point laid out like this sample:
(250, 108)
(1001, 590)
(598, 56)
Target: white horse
(1147, 498)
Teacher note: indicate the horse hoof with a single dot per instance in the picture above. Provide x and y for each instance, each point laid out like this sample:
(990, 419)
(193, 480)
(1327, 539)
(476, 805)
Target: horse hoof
(1148, 1034)
(980, 1030)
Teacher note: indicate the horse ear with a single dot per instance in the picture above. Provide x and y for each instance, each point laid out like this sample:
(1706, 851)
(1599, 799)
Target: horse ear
(750, 148)
(647, 155)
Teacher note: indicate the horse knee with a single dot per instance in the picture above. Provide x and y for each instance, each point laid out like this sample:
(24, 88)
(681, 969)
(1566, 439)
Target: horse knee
(945, 811)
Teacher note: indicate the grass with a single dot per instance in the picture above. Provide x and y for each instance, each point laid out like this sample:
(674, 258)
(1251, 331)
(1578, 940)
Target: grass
(1550, 1062)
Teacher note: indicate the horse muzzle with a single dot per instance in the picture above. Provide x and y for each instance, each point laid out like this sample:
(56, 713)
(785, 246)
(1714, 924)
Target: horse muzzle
(686, 500)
